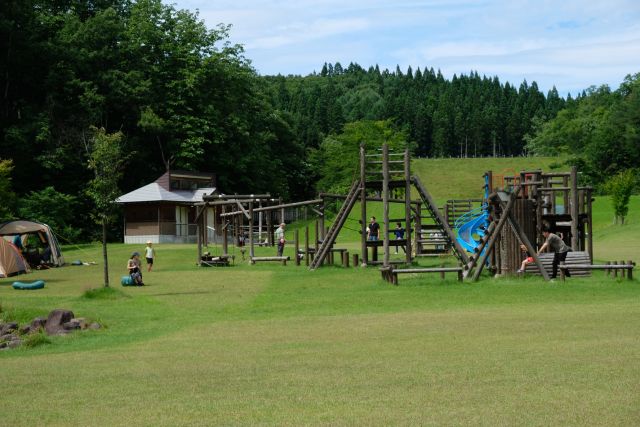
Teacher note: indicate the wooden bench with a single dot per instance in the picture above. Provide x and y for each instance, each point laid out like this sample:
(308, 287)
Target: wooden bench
(624, 267)
(282, 259)
(575, 261)
(390, 274)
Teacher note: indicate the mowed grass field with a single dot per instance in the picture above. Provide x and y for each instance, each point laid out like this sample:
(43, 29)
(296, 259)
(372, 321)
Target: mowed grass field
(273, 345)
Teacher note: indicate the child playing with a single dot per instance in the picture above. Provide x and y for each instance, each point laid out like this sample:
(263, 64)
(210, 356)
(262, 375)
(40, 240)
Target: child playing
(527, 260)
(149, 254)
(133, 265)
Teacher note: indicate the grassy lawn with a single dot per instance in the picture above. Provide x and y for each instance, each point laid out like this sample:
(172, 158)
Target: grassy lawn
(274, 345)
(268, 344)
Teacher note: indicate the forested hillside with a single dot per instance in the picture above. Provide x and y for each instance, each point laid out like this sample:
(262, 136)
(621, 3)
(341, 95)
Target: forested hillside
(183, 96)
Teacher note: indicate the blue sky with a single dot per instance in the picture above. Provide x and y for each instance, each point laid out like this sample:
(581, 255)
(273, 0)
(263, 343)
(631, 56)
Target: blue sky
(570, 44)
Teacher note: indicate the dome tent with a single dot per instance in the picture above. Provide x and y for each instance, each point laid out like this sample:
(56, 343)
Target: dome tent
(21, 229)
(11, 260)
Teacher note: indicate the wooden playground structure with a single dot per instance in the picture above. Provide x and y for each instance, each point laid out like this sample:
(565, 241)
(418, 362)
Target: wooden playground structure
(516, 208)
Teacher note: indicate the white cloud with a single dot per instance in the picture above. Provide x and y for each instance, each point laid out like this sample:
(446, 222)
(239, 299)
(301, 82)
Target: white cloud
(570, 43)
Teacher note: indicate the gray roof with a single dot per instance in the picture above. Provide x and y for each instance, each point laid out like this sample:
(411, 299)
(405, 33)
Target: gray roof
(155, 193)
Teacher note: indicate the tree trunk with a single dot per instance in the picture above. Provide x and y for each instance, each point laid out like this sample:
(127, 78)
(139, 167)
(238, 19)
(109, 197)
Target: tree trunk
(104, 253)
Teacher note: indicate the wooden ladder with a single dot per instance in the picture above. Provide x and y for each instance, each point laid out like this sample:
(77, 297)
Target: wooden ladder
(439, 220)
(334, 230)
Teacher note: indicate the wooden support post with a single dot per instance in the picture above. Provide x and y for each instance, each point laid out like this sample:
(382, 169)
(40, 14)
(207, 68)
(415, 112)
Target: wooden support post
(199, 239)
(418, 228)
(363, 207)
(385, 202)
(622, 272)
(407, 205)
(323, 232)
(630, 271)
(306, 246)
(251, 248)
(269, 228)
(563, 272)
(565, 195)
(492, 240)
(356, 261)
(296, 244)
(608, 270)
(316, 236)
(615, 270)
(225, 237)
(589, 225)
(345, 259)
(575, 217)
(442, 272)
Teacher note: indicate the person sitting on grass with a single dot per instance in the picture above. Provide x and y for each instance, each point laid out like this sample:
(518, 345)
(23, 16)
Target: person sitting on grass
(527, 260)
(134, 269)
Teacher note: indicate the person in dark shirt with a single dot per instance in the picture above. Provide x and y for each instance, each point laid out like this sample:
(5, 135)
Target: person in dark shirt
(374, 229)
(559, 248)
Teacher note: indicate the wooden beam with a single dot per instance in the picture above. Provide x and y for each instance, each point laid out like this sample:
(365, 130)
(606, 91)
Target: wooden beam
(243, 210)
(496, 233)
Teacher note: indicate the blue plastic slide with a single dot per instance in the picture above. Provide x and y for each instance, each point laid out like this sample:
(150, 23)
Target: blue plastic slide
(470, 228)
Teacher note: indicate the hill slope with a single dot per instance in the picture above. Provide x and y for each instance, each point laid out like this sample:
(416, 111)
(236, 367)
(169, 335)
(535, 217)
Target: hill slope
(462, 178)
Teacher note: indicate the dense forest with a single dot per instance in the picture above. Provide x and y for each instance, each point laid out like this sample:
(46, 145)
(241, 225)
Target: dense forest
(183, 96)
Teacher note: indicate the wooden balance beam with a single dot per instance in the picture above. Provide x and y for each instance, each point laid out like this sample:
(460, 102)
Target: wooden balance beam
(391, 275)
(282, 259)
(609, 267)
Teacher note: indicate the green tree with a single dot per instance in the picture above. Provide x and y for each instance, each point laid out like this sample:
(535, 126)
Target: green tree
(6, 194)
(620, 187)
(337, 160)
(107, 162)
(58, 210)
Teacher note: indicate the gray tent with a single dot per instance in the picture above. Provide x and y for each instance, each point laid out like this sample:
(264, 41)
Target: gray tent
(18, 232)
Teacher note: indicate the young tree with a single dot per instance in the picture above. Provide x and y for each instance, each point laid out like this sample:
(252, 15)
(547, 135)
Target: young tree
(621, 187)
(107, 161)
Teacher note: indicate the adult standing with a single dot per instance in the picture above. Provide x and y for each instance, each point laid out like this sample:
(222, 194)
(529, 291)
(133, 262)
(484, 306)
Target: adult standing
(559, 248)
(280, 238)
(374, 229)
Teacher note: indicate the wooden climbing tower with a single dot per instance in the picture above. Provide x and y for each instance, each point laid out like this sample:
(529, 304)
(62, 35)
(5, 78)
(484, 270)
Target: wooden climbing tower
(385, 176)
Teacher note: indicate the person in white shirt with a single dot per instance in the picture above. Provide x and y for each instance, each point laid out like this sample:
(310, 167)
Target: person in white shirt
(149, 254)
(280, 238)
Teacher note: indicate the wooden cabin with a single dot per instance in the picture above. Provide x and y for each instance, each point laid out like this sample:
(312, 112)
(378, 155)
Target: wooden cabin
(164, 211)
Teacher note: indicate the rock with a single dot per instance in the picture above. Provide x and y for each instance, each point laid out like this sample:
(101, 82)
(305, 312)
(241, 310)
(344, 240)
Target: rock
(71, 325)
(82, 322)
(8, 327)
(3, 345)
(57, 318)
(25, 329)
(95, 325)
(38, 323)
(14, 343)
(7, 337)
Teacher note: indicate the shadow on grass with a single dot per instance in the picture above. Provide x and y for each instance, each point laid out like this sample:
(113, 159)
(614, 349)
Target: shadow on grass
(182, 293)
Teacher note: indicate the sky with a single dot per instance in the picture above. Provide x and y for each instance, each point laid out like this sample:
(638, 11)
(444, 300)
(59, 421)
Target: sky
(570, 44)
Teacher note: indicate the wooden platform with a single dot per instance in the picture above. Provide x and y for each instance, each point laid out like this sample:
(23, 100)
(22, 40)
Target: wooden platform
(573, 259)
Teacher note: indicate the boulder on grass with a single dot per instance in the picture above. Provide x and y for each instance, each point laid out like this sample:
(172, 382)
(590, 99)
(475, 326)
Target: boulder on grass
(57, 318)
(8, 328)
(38, 323)
(14, 343)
